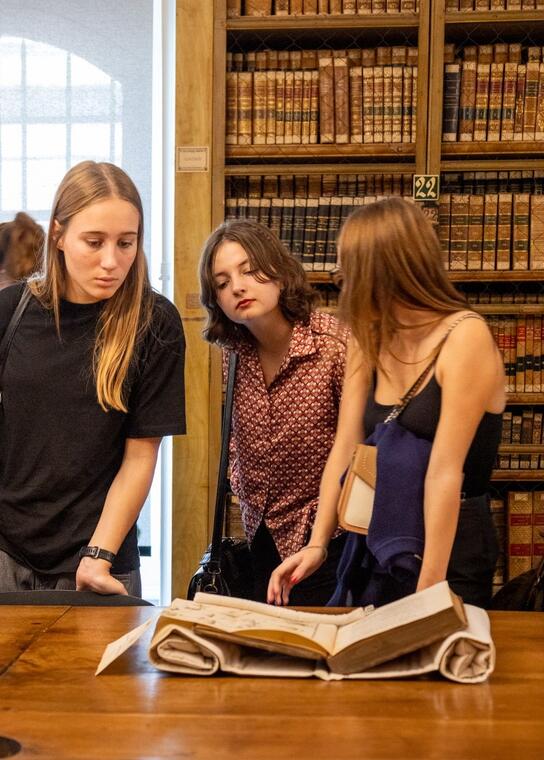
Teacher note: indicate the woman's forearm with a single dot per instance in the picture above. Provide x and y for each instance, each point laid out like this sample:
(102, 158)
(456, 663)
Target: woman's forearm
(326, 520)
(127, 493)
(441, 514)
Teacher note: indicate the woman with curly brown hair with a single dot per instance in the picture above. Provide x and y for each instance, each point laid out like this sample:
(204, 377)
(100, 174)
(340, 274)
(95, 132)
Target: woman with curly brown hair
(21, 248)
(288, 387)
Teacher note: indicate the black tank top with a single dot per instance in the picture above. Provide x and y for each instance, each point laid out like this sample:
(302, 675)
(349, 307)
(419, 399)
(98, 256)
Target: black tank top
(421, 418)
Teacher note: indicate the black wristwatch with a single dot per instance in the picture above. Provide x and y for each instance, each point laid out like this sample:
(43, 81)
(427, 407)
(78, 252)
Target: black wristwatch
(96, 553)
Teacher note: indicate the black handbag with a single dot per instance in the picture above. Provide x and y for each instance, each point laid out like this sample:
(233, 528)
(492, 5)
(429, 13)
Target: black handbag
(10, 332)
(225, 567)
(524, 593)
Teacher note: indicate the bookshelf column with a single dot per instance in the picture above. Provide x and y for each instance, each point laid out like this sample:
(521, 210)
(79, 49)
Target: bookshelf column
(193, 222)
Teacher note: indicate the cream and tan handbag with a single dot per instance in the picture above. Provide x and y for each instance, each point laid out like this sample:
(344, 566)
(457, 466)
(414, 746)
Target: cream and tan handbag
(357, 496)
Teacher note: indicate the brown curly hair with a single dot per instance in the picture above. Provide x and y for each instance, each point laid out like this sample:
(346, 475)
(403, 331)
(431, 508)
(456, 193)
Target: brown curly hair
(267, 255)
(21, 246)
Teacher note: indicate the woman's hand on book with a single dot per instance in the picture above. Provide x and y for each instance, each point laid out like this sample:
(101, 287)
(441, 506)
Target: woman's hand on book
(293, 570)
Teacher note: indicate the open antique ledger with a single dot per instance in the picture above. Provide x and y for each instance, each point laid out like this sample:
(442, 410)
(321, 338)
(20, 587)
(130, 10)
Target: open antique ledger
(418, 634)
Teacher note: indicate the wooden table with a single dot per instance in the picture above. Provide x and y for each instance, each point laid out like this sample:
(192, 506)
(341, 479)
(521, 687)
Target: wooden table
(51, 702)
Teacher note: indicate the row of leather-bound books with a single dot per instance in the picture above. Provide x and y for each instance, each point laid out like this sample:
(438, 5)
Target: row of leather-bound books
(520, 341)
(333, 97)
(521, 426)
(493, 5)
(519, 520)
(313, 185)
(493, 92)
(495, 231)
(317, 7)
(307, 226)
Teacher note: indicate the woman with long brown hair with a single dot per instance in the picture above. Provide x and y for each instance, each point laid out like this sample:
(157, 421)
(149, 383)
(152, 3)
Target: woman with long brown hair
(291, 362)
(406, 316)
(93, 379)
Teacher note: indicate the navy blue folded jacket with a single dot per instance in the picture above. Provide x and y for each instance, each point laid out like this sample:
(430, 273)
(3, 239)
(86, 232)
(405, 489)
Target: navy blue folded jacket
(385, 565)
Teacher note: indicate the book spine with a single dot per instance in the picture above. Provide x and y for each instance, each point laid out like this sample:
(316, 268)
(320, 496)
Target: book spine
(508, 101)
(475, 231)
(234, 8)
(341, 97)
(504, 230)
(259, 107)
(519, 532)
(258, 7)
(459, 231)
(520, 102)
(414, 104)
(289, 107)
(482, 101)
(280, 108)
(520, 232)
(245, 107)
(452, 89)
(326, 100)
(378, 108)
(287, 219)
(538, 528)
(520, 357)
(306, 106)
(444, 210)
(387, 104)
(368, 104)
(406, 129)
(299, 221)
(531, 97)
(356, 104)
(332, 232)
(308, 250)
(281, 7)
(397, 115)
(467, 96)
(297, 106)
(270, 107)
(495, 101)
(536, 233)
(321, 232)
(490, 231)
(539, 121)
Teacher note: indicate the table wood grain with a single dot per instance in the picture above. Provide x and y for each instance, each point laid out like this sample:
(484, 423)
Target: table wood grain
(51, 702)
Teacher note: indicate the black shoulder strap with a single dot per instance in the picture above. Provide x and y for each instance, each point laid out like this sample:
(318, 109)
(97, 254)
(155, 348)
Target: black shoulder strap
(219, 517)
(411, 392)
(10, 331)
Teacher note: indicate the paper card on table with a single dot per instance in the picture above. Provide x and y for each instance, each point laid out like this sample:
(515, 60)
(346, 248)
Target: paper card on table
(118, 647)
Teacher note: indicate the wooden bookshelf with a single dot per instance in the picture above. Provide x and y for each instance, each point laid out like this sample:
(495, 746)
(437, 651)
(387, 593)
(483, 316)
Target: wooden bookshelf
(515, 476)
(205, 35)
(488, 28)
(330, 22)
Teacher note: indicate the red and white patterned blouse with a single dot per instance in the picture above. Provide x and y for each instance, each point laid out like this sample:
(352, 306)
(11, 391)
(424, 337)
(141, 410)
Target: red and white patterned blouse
(282, 435)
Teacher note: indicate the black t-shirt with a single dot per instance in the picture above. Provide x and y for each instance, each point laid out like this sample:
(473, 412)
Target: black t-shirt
(59, 451)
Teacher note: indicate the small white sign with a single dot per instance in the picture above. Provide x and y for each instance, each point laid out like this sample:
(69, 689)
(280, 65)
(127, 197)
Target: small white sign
(192, 159)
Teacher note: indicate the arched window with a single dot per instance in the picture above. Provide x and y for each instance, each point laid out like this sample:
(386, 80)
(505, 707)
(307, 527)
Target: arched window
(56, 109)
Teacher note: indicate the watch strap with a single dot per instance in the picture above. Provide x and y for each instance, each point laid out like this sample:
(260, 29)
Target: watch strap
(95, 552)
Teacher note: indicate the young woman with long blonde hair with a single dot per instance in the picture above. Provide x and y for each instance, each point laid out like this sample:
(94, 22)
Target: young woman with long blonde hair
(92, 381)
(404, 314)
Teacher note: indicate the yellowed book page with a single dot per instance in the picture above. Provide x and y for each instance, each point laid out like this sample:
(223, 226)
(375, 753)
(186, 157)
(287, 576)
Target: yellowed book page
(423, 604)
(256, 621)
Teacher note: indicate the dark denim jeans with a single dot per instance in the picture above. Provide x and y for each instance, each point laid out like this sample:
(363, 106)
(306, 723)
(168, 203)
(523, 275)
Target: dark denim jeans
(17, 577)
(474, 554)
(314, 591)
